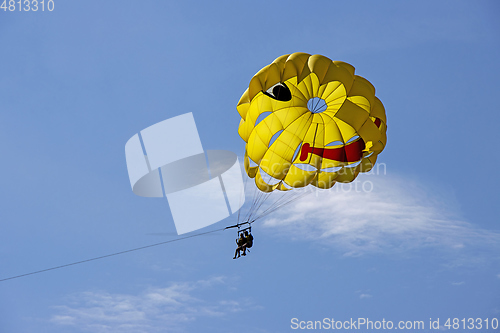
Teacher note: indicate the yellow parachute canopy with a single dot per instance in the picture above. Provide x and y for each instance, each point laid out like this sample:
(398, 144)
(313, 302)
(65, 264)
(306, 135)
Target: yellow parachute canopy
(309, 120)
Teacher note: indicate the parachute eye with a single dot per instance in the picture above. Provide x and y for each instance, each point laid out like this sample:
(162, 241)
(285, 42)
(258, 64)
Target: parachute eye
(279, 92)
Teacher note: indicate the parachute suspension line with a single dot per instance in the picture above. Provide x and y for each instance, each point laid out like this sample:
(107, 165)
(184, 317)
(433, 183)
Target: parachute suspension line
(252, 205)
(289, 200)
(277, 201)
(283, 198)
(256, 198)
(251, 210)
(242, 196)
(259, 200)
(111, 255)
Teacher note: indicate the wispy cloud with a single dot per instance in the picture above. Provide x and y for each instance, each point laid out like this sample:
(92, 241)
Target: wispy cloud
(169, 308)
(458, 283)
(363, 294)
(381, 214)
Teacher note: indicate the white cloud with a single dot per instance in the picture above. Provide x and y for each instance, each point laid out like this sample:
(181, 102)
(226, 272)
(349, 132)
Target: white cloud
(458, 283)
(380, 214)
(153, 310)
(363, 294)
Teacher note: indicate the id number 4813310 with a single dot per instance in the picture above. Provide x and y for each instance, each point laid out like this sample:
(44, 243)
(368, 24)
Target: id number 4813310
(27, 5)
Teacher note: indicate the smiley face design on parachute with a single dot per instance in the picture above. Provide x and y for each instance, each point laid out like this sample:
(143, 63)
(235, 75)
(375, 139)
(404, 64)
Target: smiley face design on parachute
(309, 120)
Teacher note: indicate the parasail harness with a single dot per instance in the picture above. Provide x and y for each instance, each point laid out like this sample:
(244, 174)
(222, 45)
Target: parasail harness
(242, 227)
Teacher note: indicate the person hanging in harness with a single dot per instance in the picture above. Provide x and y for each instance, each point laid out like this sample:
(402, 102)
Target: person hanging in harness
(249, 242)
(240, 242)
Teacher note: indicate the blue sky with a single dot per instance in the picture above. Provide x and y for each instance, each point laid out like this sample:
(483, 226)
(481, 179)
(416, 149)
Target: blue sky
(76, 83)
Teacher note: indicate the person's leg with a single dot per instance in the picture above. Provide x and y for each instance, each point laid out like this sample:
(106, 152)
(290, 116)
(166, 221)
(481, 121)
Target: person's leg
(237, 252)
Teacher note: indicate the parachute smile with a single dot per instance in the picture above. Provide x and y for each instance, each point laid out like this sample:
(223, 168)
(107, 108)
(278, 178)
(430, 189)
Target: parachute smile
(352, 152)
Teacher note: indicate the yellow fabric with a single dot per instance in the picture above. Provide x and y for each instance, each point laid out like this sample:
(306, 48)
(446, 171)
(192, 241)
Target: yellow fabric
(276, 130)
